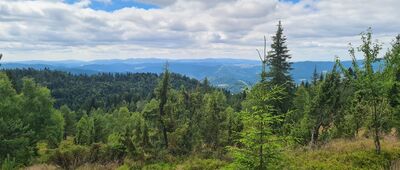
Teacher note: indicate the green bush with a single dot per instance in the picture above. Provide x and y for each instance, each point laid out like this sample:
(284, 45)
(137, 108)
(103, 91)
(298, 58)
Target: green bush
(202, 164)
(69, 155)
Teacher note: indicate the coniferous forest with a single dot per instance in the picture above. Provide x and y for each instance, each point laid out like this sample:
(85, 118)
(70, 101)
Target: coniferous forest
(347, 118)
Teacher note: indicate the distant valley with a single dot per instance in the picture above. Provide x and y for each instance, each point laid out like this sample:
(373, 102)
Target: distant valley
(232, 74)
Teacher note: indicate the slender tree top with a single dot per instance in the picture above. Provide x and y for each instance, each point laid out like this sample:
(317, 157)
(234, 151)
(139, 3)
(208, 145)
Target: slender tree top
(315, 76)
(278, 59)
(264, 60)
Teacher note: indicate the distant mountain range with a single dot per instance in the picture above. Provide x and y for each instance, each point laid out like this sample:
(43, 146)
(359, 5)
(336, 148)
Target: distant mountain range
(232, 74)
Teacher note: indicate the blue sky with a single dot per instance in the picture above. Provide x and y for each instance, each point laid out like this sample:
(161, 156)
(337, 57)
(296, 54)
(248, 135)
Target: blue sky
(104, 29)
(116, 4)
(112, 5)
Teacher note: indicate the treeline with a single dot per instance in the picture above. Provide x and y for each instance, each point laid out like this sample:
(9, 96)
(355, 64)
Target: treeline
(173, 121)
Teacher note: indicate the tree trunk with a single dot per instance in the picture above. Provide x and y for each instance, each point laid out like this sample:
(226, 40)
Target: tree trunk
(314, 136)
(376, 128)
(377, 142)
(164, 129)
(261, 147)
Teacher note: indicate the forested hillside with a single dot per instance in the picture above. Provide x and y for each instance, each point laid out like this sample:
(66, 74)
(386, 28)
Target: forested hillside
(103, 90)
(347, 118)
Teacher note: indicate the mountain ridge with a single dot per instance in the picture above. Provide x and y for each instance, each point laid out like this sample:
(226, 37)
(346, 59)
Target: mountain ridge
(232, 74)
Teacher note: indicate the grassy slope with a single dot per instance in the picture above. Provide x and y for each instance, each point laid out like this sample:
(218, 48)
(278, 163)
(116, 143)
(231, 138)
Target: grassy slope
(346, 154)
(340, 154)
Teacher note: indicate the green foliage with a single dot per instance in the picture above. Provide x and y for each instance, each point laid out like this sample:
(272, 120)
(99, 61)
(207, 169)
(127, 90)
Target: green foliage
(85, 130)
(325, 105)
(279, 70)
(213, 124)
(56, 129)
(26, 118)
(162, 92)
(202, 164)
(104, 90)
(69, 119)
(9, 164)
(168, 121)
(260, 147)
(370, 88)
(69, 155)
(298, 123)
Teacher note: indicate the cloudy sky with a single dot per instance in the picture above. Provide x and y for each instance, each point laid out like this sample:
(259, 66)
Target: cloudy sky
(104, 29)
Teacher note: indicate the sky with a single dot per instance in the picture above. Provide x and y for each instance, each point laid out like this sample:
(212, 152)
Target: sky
(316, 30)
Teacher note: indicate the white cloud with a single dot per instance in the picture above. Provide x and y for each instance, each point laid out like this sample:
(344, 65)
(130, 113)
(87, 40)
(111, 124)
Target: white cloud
(316, 30)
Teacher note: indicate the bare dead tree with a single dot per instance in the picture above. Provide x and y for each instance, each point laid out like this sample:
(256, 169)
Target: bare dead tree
(264, 60)
(1, 56)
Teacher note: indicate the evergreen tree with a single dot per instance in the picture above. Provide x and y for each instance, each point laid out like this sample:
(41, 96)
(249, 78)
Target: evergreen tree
(214, 119)
(100, 121)
(162, 95)
(324, 105)
(298, 122)
(259, 147)
(206, 85)
(234, 126)
(280, 67)
(315, 76)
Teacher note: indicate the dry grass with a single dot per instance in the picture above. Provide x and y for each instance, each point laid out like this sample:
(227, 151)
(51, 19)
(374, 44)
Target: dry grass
(42, 167)
(356, 153)
(110, 166)
(348, 145)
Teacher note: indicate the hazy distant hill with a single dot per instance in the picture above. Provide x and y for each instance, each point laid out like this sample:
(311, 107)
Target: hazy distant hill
(233, 74)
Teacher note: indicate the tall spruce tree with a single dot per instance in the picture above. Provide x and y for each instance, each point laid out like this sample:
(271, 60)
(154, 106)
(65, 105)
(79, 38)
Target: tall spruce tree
(162, 95)
(280, 67)
(278, 60)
